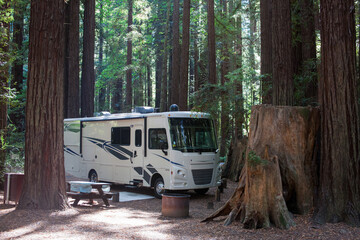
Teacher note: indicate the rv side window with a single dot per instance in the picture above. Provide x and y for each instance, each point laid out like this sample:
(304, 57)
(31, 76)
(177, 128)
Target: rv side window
(157, 138)
(138, 138)
(120, 135)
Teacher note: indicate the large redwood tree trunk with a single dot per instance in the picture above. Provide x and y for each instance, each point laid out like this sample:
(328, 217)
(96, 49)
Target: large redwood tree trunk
(44, 183)
(278, 168)
(339, 192)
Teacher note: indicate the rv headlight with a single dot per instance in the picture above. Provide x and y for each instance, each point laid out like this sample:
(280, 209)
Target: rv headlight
(181, 173)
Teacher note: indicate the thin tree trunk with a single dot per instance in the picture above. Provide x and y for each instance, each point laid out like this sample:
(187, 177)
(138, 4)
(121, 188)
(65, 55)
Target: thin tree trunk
(71, 68)
(129, 97)
(184, 62)
(163, 103)
(17, 70)
(283, 86)
(149, 84)
(211, 42)
(88, 71)
(44, 182)
(102, 90)
(176, 55)
(339, 189)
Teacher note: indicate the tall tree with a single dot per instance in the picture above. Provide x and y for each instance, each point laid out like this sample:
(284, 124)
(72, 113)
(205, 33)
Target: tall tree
(44, 183)
(88, 71)
(164, 89)
(224, 70)
(71, 68)
(175, 55)
(283, 84)
(128, 98)
(211, 42)
(4, 75)
(266, 50)
(339, 184)
(17, 69)
(102, 90)
(184, 61)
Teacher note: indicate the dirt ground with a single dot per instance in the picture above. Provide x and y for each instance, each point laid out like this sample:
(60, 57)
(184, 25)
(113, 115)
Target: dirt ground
(142, 219)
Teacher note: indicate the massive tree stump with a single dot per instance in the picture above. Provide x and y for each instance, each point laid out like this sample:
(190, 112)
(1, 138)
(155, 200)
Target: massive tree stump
(278, 169)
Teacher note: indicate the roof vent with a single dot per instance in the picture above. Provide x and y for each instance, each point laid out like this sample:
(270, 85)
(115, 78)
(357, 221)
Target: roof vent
(103, 113)
(143, 110)
(174, 108)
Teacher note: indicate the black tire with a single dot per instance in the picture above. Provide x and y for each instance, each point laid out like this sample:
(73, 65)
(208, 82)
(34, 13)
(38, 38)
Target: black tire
(159, 187)
(201, 191)
(93, 177)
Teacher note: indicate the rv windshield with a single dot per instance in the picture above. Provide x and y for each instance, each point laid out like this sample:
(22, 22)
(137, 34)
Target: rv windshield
(192, 135)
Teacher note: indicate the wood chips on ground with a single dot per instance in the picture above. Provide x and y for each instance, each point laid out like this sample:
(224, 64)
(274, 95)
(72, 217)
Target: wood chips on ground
(142, 219)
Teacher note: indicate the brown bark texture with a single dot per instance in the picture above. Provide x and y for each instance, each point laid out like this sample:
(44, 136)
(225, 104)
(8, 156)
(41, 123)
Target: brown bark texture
(176, 55)
(184, 62)
(211, 42)
(88, 71)
(128, 97)
(71, 75)
(102, 90)
(117, 99)
(266, 50)
(278, 168)
(283, 85)
(44, 182)
(339, 183)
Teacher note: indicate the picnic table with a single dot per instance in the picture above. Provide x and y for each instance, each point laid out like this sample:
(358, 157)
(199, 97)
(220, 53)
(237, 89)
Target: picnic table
(80, 190)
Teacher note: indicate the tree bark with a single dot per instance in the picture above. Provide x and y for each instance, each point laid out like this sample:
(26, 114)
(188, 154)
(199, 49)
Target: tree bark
(44, 182)
(176, 55)
(283, 86)
(88, 72)
(117, 101)
(149, 84)
(278, 168)
(71, 68)
(339, 183)
(129, 97)
(266, 50)
(211, 42)
(184, 61)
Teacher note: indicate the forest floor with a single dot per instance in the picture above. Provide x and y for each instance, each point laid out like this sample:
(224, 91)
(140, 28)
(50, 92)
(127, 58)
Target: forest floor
(142, 219)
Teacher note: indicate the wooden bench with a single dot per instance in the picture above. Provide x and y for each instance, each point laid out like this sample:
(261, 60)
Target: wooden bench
(91, 196)
(95, 193)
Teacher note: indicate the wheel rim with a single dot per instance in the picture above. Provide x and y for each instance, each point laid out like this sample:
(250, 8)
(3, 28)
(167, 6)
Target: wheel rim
(93, 177)
(159, 187)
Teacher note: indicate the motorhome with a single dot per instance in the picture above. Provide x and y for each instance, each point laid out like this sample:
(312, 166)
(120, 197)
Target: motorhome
(173, 150)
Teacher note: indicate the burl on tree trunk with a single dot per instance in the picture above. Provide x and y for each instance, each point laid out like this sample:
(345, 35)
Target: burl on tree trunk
(278, 171)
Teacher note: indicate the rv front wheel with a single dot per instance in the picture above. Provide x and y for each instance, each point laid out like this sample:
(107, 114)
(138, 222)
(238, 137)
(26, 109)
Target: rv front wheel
(159, 188)
(93, 177)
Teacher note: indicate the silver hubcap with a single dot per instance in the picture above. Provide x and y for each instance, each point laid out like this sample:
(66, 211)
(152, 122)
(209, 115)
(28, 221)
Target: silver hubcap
(160, 188)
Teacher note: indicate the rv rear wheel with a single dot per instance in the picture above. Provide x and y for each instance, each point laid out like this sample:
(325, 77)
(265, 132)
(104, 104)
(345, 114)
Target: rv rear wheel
(93, 177)
(159, 187)
(201, 191)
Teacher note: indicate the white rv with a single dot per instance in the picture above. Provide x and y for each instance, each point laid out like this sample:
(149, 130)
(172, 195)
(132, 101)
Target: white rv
(166, 151)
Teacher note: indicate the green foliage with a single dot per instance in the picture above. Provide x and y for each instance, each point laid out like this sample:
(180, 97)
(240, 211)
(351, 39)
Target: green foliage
(254, 160)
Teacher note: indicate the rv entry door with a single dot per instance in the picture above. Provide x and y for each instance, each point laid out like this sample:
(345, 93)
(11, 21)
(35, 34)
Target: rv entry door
(137, 160)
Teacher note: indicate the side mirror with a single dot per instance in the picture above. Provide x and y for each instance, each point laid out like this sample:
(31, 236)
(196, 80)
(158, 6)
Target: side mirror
(164, 146)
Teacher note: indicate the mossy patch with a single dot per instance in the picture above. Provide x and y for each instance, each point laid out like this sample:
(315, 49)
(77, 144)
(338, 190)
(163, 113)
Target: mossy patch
(255, 160)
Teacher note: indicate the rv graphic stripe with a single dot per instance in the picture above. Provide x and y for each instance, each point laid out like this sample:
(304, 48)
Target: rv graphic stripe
(168, 160)
(71, 152)
(113, 149)
(151, 168)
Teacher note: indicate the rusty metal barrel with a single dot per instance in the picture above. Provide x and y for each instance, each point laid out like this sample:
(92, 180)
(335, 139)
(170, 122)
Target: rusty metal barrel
(175, 205)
